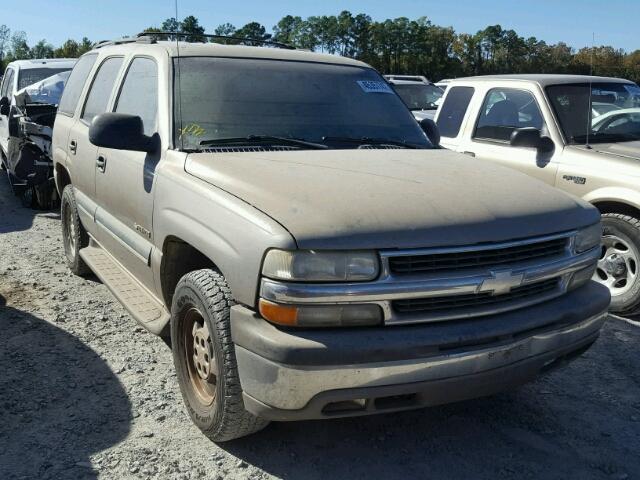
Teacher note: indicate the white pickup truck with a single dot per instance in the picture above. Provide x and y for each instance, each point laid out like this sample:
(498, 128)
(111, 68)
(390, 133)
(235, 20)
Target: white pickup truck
(580, 134)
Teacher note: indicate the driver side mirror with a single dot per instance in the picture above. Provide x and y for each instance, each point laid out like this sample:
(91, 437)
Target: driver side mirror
(431, 130)
(121, 132)
(531, 137)
(4, 106)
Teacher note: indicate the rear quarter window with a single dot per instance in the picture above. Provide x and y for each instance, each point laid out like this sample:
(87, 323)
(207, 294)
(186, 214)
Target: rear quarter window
(75, 84)
(453, 110)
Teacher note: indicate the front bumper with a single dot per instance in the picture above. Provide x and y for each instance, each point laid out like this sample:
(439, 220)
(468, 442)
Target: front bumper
(294, 375)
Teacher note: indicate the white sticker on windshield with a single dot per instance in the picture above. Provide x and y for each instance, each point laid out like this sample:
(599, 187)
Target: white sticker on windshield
(374, 86)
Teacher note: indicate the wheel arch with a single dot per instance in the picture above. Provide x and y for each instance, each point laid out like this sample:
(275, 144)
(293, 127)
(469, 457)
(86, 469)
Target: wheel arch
(62, 177)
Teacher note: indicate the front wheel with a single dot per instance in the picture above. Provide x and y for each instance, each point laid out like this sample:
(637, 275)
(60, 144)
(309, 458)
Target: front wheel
(619, 264)
(204, 357)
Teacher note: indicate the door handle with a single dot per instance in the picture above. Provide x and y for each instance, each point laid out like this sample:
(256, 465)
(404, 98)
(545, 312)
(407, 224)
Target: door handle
(73, 146)
(101, 163)
(471, 154)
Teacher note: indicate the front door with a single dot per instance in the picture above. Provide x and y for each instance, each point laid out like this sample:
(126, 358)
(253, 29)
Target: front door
(125, 179)
(502, 111)
(82, 153)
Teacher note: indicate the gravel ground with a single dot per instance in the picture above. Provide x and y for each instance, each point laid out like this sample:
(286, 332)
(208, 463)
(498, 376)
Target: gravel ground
(86, 393)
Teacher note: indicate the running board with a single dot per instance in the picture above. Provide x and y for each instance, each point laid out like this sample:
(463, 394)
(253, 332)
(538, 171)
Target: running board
(142, 306)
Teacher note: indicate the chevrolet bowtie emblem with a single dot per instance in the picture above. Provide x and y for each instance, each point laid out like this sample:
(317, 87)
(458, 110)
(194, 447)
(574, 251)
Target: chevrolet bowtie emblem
(501, 283)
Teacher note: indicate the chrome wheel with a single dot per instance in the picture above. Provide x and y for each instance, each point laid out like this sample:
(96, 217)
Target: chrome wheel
(618, 264)
(200, 358)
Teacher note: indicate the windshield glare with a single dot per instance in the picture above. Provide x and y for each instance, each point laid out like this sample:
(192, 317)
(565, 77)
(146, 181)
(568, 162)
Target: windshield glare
(419, 96)
(600, 112)
(220, 98)
(32, 75)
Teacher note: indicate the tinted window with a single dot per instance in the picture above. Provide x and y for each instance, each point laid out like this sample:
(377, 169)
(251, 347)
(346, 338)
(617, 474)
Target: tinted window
(585, 111)
(504, 110)
(101, 89)
(7, 86)
(453, 110)
(139, 94)
(222, 98)
(75, 84)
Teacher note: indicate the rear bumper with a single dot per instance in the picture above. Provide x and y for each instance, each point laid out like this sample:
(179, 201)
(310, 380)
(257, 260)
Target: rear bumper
(294, 375)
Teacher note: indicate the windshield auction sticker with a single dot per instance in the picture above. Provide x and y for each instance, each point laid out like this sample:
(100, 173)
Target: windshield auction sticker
(373, 86)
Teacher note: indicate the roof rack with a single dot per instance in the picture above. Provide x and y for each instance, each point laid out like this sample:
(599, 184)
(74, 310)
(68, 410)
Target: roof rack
(153, 36)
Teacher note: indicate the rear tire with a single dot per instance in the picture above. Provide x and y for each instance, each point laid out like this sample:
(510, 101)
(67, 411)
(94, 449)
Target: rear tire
(205, 360)
(619, 265)
(74, 236)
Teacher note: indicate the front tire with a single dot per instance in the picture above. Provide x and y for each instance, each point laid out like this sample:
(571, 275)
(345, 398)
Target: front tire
(74, 236)
(205, 360)
(619, 264)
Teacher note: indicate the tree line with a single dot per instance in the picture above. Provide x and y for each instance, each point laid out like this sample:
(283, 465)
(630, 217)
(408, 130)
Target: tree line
(400, 46)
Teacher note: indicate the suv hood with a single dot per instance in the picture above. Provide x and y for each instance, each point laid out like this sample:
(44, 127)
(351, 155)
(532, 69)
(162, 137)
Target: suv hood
(346, 199)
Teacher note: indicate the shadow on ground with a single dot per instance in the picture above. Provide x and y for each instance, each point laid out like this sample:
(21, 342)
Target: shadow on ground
(59, 401)
(15, 217)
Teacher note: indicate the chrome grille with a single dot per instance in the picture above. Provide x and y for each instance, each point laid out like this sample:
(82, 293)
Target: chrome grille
(456, 303)
(484, 257)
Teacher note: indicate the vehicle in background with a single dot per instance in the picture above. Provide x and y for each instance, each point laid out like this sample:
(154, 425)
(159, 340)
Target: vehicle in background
(29, 96)
(321, 259)
(443, 84)
(578, 133)
(420, 95)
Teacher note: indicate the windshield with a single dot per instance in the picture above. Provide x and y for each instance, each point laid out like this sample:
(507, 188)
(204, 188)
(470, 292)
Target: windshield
(225, 98)
(33, 75)
(419, 96)
(598, 112)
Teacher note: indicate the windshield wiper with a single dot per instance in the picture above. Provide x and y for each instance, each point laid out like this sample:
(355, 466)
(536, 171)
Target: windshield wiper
(265, 140)
(369, 141)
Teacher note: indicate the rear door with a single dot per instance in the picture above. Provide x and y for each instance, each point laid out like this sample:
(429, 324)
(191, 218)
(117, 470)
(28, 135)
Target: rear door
(6, 91)
(68, 110)
(125, 183)
(453, 114)
(82, 153)
(488, 132)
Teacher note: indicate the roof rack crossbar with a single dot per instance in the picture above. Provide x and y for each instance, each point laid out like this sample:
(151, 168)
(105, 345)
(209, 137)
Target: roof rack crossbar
(271, 43)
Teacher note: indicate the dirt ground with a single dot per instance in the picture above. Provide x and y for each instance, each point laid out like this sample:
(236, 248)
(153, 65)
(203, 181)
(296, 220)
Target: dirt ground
(86, 393)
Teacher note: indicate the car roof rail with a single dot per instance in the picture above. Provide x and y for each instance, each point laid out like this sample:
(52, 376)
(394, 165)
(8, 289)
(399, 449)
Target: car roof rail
(123, 40)
(409, 78)
(152, 37)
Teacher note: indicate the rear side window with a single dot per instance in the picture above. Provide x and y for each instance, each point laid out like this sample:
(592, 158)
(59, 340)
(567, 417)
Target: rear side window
(75, 84)
(7, 90)
(101, 88)
(504, 110)
(139, 94)
(453, 110)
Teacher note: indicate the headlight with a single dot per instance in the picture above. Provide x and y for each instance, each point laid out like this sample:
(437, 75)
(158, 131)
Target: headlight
(588, 238)
(319, 266)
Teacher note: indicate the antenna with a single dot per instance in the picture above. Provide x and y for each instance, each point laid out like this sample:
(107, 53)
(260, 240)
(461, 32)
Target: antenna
(589, 107)
(178, 66)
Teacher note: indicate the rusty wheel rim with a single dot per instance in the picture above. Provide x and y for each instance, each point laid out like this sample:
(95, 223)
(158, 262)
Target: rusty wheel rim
(200, 359)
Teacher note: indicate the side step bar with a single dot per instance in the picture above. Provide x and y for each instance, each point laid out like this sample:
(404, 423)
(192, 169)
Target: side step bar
(138, 301)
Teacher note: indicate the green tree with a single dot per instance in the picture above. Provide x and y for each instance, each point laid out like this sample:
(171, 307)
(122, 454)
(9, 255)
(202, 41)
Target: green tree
(42, 49)
(253, 30)
(191, 26)
(69, 49)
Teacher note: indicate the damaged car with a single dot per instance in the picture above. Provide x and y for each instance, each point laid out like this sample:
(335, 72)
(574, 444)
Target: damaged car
(29, 100)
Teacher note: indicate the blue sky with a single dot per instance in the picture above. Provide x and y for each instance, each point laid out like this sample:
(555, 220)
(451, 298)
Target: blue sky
(615, 22)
